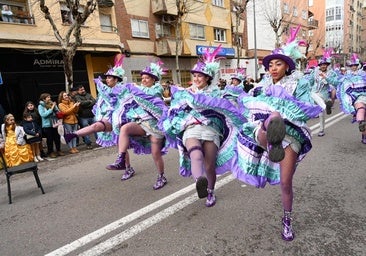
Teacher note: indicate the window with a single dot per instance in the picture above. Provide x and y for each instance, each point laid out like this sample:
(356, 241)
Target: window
(220, 35)
(162, 30)
(140, 28)
(285, 8)
(338, 13)
(66, 15)
(218, 3)
(304, 14)
(16, 12)
(294, 11)
(196, 31)
(106, 22)
(329, 14)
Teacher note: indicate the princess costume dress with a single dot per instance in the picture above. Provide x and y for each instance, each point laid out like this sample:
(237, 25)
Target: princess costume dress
(291, 98)
(16, 151)
(205, 108)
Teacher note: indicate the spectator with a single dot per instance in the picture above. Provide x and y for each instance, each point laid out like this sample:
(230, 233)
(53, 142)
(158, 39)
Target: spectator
(7, 14)
(31, 109)
(33, 135)
(85, 114)
(2, 114)
(47, 110)
(69, 108)
(16, 150)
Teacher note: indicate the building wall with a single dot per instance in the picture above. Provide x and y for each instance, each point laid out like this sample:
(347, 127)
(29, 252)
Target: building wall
(30, 59)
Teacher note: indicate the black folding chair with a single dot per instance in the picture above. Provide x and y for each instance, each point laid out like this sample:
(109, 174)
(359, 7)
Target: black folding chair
(26, 167)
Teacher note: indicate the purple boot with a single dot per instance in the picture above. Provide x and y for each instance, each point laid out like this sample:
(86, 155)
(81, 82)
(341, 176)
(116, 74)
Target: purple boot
(287, 232)
(363, 140)
(119, 164)
(68, 137)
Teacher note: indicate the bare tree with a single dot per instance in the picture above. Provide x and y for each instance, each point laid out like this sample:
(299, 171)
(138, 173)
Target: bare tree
(239, 7)
(71, 40)
(184, 7)
(277, 19)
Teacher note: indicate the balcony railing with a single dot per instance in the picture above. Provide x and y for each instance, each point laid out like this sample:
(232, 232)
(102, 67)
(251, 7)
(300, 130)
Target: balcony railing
(161, 7)
(313, 24)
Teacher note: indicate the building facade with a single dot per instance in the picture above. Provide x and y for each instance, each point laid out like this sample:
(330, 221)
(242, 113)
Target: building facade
(165, 29)
(30, 59)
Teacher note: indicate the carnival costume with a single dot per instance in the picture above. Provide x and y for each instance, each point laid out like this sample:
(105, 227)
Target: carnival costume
(232, 92)
(203, 111)
(323, 81)
(352, 90)
(145, 106)
(291, 98)
(108, 101)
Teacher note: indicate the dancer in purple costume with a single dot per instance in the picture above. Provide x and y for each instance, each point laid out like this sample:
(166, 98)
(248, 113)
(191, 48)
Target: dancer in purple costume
(352, 94)
(136, 121)
(202, 125)
(276, 137)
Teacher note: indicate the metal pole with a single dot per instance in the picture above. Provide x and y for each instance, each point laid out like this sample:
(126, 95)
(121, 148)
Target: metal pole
(255, 44)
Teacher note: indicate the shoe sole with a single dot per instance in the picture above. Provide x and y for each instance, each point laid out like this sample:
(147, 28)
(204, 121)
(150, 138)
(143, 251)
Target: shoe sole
(201, 187)
(159, 187)
(362, 126)
(276, 132)
(129, 177)
(113, 168)
(328, 107)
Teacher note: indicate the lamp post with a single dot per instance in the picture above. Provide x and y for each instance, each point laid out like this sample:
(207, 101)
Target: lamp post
(255, 44)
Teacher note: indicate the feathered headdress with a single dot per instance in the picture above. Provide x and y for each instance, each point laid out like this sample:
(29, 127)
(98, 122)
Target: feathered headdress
(117, 70)
(354, 60)
(208, 64)
(155, 70)
(240, 75)
(327, 57)
(289, 53)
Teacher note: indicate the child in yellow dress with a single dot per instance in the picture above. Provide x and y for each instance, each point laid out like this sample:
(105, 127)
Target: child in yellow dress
(16, 151)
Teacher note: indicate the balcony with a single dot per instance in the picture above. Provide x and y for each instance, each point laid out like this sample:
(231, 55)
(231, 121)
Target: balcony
(161, 7)
(313, 24)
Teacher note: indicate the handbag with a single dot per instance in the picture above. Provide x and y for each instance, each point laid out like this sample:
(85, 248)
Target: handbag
(60, 115)
(28, 136)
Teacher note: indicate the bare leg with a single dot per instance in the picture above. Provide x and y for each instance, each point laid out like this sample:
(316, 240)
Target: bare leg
(156, 146)
(96, 127)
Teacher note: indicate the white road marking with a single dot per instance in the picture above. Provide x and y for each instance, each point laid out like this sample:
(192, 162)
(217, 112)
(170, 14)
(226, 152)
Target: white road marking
(141, 226)
(138, 228)
(121, 222)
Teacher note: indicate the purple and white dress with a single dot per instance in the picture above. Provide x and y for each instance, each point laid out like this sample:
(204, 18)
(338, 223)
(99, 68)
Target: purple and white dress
(291, 98)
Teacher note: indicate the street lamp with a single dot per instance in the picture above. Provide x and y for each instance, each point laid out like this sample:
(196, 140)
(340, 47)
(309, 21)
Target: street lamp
(255, 44)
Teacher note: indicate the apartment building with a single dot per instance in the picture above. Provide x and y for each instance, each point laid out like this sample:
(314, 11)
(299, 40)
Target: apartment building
(155, 29)
(30, 59)
(342, 25)
(268, 26)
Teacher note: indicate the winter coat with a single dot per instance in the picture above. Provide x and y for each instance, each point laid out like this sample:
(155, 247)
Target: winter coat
(69, 110)
(86, 105)
(48, 115)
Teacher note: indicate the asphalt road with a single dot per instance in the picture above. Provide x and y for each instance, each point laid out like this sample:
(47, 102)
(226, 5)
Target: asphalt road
(88, 210)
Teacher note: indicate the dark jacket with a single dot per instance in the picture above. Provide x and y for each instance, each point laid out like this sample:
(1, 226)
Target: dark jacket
(32, 128)
(86, 105)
